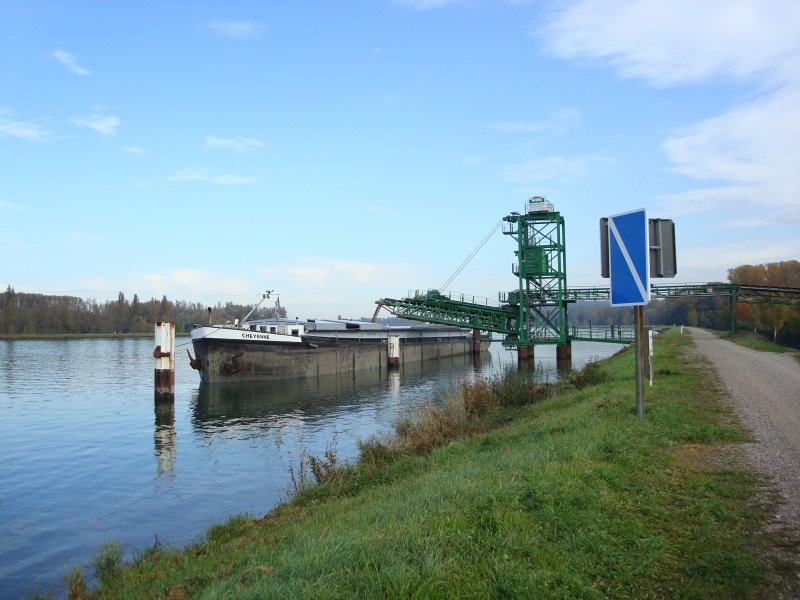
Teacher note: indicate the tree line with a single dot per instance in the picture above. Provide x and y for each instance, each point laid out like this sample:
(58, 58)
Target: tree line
(23, 313)
(779, 322)
(28, 314)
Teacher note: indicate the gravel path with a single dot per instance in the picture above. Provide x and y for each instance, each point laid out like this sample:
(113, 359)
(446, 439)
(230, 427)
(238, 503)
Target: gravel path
(765, 387)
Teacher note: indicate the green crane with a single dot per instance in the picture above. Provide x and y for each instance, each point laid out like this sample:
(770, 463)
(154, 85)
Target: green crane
(541, 271)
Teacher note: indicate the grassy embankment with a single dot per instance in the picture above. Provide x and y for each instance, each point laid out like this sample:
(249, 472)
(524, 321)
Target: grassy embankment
(569, 496)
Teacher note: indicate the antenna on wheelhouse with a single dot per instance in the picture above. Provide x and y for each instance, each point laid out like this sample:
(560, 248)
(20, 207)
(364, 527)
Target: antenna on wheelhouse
(264, 296)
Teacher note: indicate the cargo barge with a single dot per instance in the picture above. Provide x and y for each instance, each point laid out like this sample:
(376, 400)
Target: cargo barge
(273, 349)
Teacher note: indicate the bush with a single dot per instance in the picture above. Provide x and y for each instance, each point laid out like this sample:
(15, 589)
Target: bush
(591, 374)
(375, 453)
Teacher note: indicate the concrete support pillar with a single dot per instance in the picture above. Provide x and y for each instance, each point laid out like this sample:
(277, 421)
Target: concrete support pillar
(524, 353)
(476, 341)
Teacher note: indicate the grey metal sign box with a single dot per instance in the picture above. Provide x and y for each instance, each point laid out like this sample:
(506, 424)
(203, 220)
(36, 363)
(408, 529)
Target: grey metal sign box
(661, 233)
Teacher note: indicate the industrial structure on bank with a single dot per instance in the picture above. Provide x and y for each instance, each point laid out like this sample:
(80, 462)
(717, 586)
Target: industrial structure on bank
(536, 311)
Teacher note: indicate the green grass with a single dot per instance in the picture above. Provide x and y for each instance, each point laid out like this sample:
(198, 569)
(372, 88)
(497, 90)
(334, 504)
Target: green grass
(758, 342)
(567, 497)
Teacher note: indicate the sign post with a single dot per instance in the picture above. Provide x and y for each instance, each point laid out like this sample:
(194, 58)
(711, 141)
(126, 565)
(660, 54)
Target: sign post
(629, 269)
(627, 256)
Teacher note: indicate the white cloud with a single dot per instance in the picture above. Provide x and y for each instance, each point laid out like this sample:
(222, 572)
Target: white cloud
(192, 174)
(236, 30)
(200, 174)
(106, 125)
(681, 41)
(232, 180)
(560, 168)
(326, 287)
(746, 157)
(559, 122)
(193, 284)
(177, 284)
(86, 237)
(755, 148)
(69, 61)
(238, 143)
(320, 272)
(708, 263)
(426, 4)
(134, 150)
(24, 130)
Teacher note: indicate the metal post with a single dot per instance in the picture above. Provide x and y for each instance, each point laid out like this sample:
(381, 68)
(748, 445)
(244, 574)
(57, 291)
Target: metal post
(164, 354)
(733, 312)
(650, 354)
(640, 348)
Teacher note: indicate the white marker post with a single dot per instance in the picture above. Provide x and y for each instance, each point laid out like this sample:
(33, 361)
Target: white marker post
(164, 354)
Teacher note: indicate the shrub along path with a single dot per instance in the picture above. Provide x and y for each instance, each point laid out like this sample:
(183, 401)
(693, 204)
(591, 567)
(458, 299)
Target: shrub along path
(568, 497)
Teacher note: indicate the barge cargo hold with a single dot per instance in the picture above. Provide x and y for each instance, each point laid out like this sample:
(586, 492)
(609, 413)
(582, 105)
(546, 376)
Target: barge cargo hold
(272, 349)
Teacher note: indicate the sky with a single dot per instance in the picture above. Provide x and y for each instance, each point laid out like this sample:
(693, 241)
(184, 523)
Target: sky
(342, 152)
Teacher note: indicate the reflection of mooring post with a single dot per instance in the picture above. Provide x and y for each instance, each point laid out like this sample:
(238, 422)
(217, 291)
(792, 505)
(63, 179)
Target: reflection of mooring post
(164, 354)
(164, 436)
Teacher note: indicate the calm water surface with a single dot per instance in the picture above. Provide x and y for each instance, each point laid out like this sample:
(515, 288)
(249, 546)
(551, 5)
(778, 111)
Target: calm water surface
(88, 456)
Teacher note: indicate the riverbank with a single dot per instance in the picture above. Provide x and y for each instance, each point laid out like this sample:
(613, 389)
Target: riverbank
(81, 336)
(71, 336)
(569, 496)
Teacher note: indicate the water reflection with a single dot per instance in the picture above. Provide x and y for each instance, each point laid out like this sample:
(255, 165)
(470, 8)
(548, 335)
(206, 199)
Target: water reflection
(164, 436)
(272, 405)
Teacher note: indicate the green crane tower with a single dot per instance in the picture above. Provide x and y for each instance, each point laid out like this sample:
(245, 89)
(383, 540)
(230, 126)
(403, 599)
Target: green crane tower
(540, 299)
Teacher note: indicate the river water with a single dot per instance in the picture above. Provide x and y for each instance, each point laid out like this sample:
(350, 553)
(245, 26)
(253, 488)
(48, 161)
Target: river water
(89, 457)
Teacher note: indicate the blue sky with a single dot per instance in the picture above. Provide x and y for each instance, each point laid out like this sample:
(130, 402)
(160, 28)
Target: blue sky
(339, 152)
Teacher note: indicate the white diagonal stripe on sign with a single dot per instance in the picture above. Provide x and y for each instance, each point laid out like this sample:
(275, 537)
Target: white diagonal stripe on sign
(612, 227)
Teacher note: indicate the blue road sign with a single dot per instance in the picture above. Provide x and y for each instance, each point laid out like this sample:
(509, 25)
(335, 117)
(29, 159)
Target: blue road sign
(629, 258)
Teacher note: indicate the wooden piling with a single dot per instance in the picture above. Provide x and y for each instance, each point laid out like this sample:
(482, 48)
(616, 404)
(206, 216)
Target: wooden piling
(164, 355)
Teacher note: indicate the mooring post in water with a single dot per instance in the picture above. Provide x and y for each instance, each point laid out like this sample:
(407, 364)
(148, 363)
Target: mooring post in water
(393, 351)
(164, 354)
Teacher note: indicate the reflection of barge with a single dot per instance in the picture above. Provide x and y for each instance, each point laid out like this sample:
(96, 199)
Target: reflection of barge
(269, 349)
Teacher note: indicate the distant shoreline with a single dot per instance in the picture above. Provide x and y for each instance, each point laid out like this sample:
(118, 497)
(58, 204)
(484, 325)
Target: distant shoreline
(77, 336)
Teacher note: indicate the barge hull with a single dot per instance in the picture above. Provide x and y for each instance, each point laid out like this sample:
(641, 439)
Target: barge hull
(229, 361)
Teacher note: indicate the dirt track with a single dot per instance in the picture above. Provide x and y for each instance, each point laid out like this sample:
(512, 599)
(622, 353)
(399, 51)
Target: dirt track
(765, 387)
